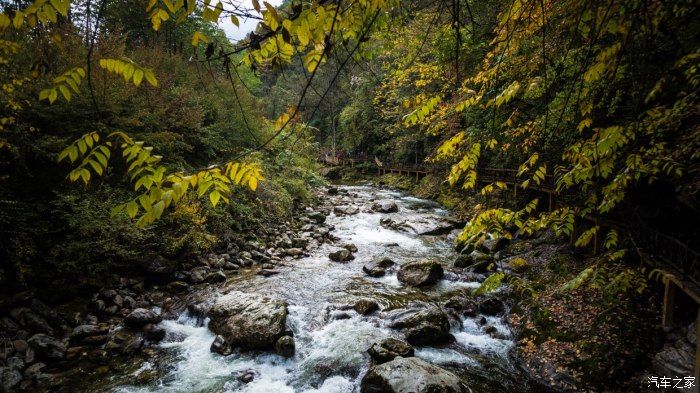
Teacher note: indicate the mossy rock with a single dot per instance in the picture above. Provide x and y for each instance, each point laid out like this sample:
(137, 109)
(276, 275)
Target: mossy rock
(518, 265)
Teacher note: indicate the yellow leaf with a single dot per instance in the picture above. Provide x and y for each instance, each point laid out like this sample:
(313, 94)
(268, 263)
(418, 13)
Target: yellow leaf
(18, 19)
(138, 76)
(253, 183)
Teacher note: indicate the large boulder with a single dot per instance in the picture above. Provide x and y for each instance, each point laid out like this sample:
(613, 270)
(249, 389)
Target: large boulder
(430, 225)
(421, 323)
(385, 206)
(441, 227)
(420, 273)
(341, 255)
(141, 317)
(493, 245)
(160, 269)
(377, 267)
(410, 375)
(389, 349)
(491, 306)
(31, 321)
(248, 321)
(47, 347)
(9, 379)
(674, 359)
(82, 331)
(346, 210)
(466, 305)
(366, 306)
(480, 262)
(319, 217)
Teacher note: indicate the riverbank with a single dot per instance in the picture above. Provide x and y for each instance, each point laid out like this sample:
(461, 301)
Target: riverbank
(604, 335)
(54, 347)
(339, 303)
(146, 332)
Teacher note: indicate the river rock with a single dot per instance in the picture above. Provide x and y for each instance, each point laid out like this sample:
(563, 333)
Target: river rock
(154, 332)
(294, 252)
(220, 346)
(318, 217)
(676, 358)
(464, 304)
(366, 306)
(132, 345)
(491, 306)
(410, 375)
(31, 320)
(82, 331)
(285, 346)
(248, 321)
(346, 210)
(493, 245)
(441, 227)
(421, 323)
(214, 277)
(420, 273)
(9, 326)
(385, 206)
(160, 268)
(45, 311)
(20, 346)
(9, 379)
(341, 255)
(350, 247)
(463, 261)
(140, 317)
(480, 261)
(389, 349)
(177, 286)
(377, 267)
(47, 347)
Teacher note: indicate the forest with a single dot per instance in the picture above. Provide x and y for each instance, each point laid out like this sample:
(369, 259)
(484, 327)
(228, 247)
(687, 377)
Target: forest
(336, 196)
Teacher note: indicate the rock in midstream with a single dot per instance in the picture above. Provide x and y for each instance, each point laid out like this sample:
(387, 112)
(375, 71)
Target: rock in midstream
(248, 321)
(420, 273)
(410, 375)
(385, 206)
(378, 266)
(421, 323)
(389, 349)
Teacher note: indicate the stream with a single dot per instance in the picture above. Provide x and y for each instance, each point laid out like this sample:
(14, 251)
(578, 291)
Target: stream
(331, 345)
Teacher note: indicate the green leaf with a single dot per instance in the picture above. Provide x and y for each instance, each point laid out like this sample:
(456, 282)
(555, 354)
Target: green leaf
(132, 208)
(490, 284)
(116, 210)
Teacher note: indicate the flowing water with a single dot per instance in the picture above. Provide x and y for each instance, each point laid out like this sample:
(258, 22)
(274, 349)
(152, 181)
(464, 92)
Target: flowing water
(331, 352)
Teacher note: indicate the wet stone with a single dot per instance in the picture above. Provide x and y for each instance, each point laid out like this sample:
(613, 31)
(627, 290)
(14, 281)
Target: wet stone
(285, 346)
(420, 273)
(366, 306)
(341, 255)
(404, 375)
(140, 317)
(389, 349)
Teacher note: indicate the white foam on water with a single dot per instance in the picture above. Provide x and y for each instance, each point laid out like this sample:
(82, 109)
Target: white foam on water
(445, 357)
(330, 356)
(335, 384)
(390, 280)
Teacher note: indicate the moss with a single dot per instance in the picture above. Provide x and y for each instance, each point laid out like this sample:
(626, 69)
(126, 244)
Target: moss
(518, 265)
